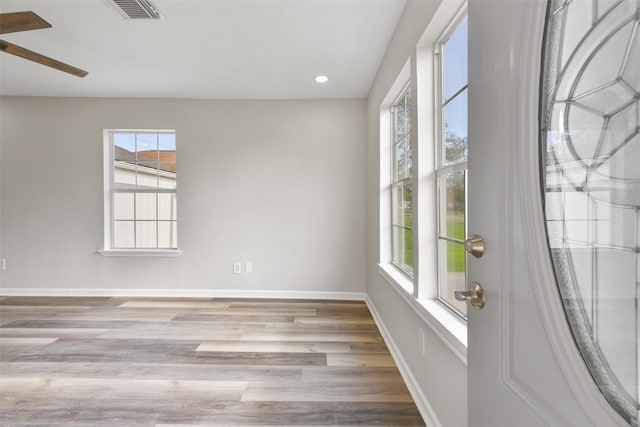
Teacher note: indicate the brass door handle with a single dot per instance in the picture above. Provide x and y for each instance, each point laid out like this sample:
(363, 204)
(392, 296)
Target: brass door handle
(475, 295)
(474, 245)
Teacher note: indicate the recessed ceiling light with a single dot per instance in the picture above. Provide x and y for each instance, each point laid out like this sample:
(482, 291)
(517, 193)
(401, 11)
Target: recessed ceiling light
(321, 79)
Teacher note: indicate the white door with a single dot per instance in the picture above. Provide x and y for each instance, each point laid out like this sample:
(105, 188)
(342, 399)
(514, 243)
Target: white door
(524, 368)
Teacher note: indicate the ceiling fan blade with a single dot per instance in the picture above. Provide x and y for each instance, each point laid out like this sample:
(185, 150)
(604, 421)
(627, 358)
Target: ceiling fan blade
(41, 59)
(21, 21)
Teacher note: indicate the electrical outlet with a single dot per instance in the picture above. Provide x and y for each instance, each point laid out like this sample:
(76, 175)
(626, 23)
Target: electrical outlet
(248, 267)
(237, 268)
(422, 342)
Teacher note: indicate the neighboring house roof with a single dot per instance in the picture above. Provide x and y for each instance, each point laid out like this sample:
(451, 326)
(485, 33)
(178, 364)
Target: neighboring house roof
(167, 157)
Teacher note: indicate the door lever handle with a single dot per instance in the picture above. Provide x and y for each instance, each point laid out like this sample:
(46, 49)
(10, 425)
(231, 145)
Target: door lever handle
(475, 295)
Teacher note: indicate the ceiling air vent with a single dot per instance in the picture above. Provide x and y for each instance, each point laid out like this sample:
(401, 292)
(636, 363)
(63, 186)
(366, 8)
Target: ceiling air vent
(135, 9)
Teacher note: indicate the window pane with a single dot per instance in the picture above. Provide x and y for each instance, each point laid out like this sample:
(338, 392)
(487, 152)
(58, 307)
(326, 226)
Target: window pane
(124, 174)
(147, 145)
(402, 159)
(398, 161)
(123, 206)
(402, 227)
(146, 206)
(167, 180)
(167, 167)
(455, 129)
(408, 156)
(402, 201)
(454, 194)
(147, 175)
(400, 120)
(452, 273)
(124, 146)
(403, 249)
(167, 206)
(167, 234)
(455, 60)
(167, 142)
(146, 236)
(407, 108)
(123, 234)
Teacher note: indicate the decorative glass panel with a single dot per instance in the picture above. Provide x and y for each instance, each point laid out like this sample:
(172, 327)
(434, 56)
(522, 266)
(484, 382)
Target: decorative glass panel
(590, 147)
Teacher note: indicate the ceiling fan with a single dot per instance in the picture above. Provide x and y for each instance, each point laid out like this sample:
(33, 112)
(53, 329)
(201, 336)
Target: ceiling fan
(26, 21)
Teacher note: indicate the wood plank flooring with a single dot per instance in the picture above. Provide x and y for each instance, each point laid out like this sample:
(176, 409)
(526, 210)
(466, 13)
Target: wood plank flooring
(77, 361)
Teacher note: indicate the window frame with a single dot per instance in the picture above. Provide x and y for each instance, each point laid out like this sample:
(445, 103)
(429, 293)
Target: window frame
(441, 167)
(404, 93)
(419, 292)
(111, 188)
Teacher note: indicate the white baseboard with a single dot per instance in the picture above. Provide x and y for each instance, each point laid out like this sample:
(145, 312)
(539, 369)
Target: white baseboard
(425, 408)
(183, 293)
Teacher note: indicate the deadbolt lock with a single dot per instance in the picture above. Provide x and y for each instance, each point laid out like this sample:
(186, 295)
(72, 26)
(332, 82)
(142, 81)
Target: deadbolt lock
(475, 295)
(474, 245)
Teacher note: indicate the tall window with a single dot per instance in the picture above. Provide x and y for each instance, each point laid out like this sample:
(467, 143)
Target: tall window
(401, 186)
(141, 190)
(451, 164)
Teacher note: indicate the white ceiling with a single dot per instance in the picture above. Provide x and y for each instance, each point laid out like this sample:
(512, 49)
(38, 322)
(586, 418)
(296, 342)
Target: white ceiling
(217, 49)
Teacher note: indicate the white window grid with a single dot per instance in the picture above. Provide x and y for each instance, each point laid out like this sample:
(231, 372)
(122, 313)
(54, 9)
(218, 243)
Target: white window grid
(403, 97)
(120, 188)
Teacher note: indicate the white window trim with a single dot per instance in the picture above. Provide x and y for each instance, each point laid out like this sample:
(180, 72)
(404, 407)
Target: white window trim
(166, 253)
(107, 250)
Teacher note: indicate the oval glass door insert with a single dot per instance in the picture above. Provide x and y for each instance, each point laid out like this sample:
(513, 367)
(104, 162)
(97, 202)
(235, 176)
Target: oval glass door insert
(590, 151)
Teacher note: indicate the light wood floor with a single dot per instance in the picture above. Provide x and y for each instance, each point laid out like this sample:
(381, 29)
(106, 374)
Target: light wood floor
(215, 362)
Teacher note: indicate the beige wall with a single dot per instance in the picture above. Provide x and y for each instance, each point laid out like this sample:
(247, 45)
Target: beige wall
(277, 183)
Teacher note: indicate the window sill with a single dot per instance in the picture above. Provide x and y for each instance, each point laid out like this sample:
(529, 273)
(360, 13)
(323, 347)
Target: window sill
(140, 253)
(396, 278)
(451, 329)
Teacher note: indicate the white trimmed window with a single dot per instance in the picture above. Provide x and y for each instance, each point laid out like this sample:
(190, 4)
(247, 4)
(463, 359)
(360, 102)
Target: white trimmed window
(401, 183)
(140, 191)
(451, 161)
